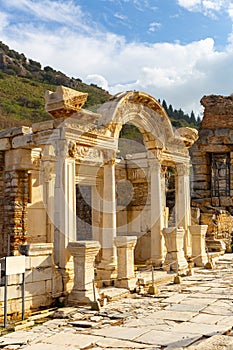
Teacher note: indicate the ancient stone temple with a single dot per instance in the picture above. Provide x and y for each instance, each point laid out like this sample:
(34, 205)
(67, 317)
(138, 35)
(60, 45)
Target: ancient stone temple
(212, 170)
(72, 197)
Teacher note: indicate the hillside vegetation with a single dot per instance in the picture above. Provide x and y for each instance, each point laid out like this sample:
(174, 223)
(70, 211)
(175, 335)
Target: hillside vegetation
(23, 83)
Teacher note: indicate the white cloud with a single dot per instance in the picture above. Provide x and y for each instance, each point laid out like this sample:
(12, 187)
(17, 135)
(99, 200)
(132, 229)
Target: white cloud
(153, 26)
(120, 16)
(98, 80)
(207, 7)
(60, 11)
(3, 20)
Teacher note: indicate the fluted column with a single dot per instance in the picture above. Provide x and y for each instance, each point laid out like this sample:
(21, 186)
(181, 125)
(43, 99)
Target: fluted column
(183, 213)
(107, 268)
(157, 219)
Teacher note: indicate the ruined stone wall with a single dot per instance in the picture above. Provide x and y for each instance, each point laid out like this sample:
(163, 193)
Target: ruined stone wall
(212, 156)
(2, 165)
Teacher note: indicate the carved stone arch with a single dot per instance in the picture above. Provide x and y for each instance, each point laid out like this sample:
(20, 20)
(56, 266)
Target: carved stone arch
(142, 110)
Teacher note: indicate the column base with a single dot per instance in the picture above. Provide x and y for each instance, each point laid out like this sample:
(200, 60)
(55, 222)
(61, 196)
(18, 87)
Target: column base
(78, 297)
(128, 283)
(175, 261)
(155, 261)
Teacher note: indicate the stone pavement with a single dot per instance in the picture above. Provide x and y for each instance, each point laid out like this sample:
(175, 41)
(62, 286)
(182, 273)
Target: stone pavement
(196, 315)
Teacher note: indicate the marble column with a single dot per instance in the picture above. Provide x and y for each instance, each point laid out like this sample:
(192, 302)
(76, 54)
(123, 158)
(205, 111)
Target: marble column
(64, 204)
(125, 268)
(157, 219)
(107, 269)
(199, 254)
(84, 253)
(183, 211)
(49, 177)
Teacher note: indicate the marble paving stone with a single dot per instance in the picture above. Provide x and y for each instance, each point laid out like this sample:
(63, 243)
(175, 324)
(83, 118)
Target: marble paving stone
(226, 320)
(185, 307)
(151, 323)
(173, 339)
(198, 288)
(176, 298)
(201, 328)
(204, 295)
(77, 339)
(22, 336)
(118, 332)
(42, 346)
(207, 318)
(218, 310)
(117, 343)
(199, 301)
(174, 315)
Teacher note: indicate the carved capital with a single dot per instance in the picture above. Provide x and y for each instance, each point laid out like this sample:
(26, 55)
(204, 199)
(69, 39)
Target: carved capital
(109, 157)
(183, 169)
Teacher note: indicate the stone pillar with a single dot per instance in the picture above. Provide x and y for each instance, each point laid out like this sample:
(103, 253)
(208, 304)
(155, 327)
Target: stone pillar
(64, 204)
(107, 269)
(125, 268)
(157, 220)
(174, 240)
(84, 253)
(199, 255)
(49, 177)
(183, 210)
(17, 164)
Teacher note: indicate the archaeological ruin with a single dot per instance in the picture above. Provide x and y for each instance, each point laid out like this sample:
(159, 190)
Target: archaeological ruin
(83, 205)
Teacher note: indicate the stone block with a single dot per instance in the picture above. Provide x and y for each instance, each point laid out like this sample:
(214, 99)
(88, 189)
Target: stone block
(226, 201)
(201, 169)
(25, 141)
(48, 124)
(18, 159)
(35, 288)
(18, 130)
(201, 185)
(42, 274)
(5, 144)
(39, 261)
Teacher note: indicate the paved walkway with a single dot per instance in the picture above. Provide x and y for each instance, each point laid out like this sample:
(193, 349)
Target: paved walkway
(196, 314)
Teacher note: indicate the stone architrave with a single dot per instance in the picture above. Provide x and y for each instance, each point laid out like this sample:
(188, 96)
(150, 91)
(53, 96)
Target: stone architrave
(175, 259)
(199, 255)
(84, 253)
(125, 267)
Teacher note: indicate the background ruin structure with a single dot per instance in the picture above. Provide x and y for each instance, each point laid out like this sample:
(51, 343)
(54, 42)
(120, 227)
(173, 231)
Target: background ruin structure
(212, 171)
(69, 197)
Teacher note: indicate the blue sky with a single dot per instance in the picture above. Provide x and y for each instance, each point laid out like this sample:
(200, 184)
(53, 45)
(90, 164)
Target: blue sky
(178, 50)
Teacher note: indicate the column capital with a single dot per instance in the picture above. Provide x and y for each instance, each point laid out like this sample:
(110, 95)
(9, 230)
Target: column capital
(182, 169)
(109, 157)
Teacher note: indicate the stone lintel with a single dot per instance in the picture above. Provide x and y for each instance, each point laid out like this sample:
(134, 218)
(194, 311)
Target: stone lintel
(35, 249)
